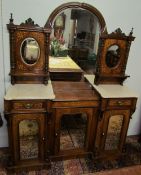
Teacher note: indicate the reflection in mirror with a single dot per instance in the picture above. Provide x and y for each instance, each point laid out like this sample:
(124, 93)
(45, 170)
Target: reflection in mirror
(113, 132)
(30, 51)
(113, 56)
(73, 131)
(28, 139)
(78, 38)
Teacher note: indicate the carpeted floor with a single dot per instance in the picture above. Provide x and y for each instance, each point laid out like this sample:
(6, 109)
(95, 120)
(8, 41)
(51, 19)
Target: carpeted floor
(84, 166)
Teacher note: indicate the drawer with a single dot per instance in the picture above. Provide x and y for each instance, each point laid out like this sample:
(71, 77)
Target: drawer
(28, 105)
(120, 102)
(76, 104)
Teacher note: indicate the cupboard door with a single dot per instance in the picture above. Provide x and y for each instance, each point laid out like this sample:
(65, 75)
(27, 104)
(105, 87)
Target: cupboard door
(73, 130)
(113, 133)
(28, 136)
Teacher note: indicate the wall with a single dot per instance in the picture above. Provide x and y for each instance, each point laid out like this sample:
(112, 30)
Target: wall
(123, 14)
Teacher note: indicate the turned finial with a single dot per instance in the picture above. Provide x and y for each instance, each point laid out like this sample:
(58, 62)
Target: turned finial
(130, 34)
(11, 18)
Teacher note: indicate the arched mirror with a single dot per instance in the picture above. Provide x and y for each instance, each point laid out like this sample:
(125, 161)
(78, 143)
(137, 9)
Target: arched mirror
(112, 56)
(76, 28)
(30, 51)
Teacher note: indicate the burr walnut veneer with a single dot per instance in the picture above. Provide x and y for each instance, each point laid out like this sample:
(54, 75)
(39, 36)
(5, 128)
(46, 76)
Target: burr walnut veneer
(63, 119)
(106, 121)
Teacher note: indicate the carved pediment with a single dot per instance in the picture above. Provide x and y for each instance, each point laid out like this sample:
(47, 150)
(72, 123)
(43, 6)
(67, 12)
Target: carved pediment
(29, 22)
(118, 34)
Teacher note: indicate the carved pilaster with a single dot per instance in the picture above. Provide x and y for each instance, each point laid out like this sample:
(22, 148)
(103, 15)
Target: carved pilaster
(47, 42)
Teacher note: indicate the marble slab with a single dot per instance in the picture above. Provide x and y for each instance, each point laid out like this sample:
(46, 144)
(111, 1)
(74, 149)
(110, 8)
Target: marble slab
(112, 91)
(30, 91)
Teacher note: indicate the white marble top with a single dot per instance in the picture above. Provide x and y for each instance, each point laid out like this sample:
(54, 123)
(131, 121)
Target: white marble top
(30, 91)
(111, 91)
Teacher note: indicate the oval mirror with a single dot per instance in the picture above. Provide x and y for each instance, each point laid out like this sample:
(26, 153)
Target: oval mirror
(112, 56)
(30, 51)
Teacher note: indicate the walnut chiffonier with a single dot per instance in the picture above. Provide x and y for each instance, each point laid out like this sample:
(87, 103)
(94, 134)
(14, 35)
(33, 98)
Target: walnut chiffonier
(59, 118)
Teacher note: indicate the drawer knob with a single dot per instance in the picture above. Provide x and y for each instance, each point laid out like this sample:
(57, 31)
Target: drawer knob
(120, 103)
(103, 134)
(28, 106)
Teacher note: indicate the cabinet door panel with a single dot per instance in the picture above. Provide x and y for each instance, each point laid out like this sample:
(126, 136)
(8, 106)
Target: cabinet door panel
(29, 140)
(73, 129)
(115, 125)
(113, 132)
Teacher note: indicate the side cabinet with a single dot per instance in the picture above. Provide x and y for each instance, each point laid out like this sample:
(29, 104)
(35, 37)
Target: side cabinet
(113, 126)
(27, 133)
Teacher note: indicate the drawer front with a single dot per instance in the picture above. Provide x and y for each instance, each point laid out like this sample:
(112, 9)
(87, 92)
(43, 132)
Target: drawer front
(120, 102)
(75, 104)
(28, 105)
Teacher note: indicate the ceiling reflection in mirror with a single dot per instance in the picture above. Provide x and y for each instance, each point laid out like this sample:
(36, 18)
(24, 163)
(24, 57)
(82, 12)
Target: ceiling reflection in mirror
(30, 51)
(112, 56)
(77, 35)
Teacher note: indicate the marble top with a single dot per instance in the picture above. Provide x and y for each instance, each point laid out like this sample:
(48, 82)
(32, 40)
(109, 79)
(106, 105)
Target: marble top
(30, 91)
(111, 91)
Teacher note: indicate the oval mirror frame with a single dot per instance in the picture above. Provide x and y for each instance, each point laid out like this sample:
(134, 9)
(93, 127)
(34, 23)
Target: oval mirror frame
(30, 51)
(85, 6)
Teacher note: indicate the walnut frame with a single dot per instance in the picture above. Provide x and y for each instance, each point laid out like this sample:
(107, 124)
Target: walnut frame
(19, 71)
(115, 75)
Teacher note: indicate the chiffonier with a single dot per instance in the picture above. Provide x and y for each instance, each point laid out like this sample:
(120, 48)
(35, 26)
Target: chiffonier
(54, 113)
(66, 120)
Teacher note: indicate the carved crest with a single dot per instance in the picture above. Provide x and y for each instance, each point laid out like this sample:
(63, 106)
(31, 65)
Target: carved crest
(29, 22)
(118, 34)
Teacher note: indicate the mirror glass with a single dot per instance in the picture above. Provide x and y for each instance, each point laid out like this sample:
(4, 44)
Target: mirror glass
(28, 139)
(76, 33)
(73, 131)
(114, 132)
(112, 56)
(30, 51)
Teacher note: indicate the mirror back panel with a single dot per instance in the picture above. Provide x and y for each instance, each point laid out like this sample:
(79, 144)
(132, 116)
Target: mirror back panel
(112, 57)
(29, 52)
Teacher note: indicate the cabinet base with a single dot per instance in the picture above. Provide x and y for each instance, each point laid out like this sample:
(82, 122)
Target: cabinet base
(29, 166)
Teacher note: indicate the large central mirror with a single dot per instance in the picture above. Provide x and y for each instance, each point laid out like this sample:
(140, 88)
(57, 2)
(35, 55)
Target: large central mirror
(76, 28)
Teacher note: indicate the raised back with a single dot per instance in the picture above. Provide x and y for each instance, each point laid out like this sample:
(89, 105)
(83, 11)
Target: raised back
(112, 57)
(29, 51)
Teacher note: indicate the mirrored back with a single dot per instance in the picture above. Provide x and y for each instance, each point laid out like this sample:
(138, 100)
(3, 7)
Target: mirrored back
(76, 28)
